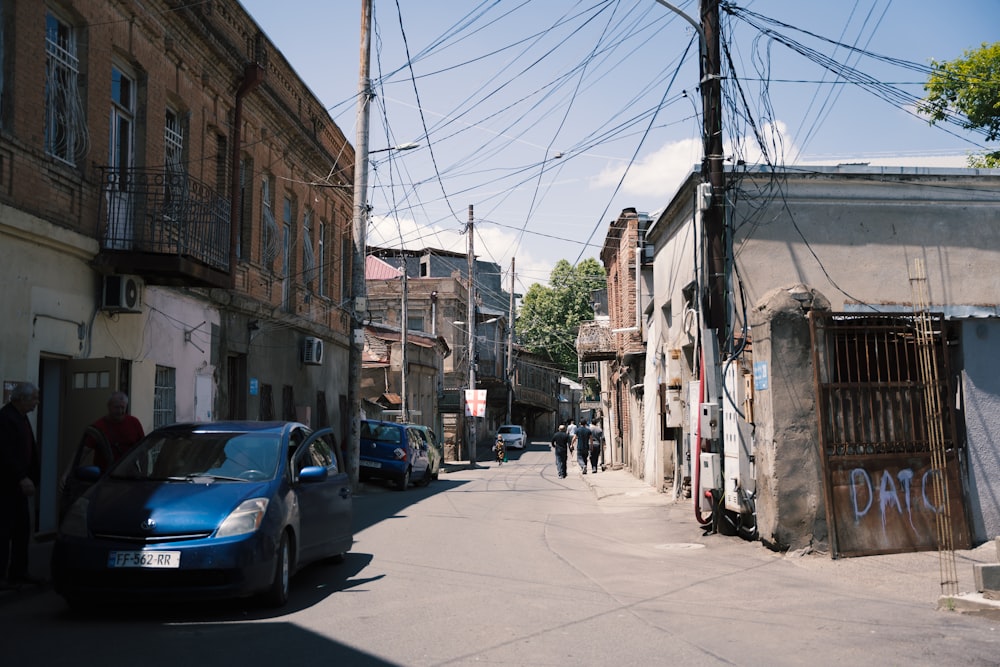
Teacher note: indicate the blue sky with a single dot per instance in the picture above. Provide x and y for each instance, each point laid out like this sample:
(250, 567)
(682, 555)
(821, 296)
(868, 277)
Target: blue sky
(551, 116)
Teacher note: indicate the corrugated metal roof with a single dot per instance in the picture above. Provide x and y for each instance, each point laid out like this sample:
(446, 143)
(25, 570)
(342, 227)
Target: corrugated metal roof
(376, 269)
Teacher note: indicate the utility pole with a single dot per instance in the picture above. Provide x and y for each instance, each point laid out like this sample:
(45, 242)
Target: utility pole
(471, 328)
(713, 173)
(404, 358)
(359, 301)
(510, 349)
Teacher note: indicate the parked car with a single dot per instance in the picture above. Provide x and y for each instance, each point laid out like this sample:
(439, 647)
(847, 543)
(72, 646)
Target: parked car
(513, 436)
(394, 451)
(435, 451)
(224, 509)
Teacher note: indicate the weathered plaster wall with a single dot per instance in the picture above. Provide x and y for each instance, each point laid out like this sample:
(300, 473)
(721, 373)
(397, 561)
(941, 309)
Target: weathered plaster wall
(790, 507)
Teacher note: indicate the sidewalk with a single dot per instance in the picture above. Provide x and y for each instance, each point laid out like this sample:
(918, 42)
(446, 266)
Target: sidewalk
(622, 488)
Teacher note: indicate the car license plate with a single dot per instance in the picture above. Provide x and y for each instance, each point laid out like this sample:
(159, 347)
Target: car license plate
(370, 464)
(154, 559)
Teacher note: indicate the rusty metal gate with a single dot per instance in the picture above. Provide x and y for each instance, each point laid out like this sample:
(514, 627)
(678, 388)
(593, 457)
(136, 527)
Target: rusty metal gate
(874, 437)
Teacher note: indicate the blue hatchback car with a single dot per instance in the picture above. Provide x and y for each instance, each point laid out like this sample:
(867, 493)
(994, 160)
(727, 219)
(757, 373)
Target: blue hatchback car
(226, 509)
(396, 452)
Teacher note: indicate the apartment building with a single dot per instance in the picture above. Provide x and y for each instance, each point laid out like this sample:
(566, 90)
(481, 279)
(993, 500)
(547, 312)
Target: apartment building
(175, 219)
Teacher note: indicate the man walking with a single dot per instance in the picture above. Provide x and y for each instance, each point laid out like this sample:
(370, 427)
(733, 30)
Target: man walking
(596, 445)
(19, 473)
(581, 439)
(560, 444)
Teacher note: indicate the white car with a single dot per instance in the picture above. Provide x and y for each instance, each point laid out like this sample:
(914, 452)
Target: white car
(513, 436)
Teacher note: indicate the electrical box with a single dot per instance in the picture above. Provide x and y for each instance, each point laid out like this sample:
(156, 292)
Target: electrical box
(710, 426)
(737, 446)
(710, 477)
(711, 471)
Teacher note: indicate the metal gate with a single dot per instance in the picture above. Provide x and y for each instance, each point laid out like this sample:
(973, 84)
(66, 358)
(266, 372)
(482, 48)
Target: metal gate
(874, 435)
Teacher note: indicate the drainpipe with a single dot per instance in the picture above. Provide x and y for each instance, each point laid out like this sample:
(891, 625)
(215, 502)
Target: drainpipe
(253, 75)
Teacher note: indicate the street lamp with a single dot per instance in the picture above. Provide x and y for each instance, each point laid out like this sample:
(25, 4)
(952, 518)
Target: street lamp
(408, 146)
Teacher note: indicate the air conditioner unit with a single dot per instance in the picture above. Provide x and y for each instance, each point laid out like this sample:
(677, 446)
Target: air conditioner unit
(122, 294)
(312, 351)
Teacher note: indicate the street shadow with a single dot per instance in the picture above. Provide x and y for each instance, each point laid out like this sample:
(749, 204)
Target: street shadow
(195, 636)
(309, 587)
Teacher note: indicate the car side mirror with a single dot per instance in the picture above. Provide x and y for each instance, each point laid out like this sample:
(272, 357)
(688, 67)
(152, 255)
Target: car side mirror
(87, 473)
(312, 474)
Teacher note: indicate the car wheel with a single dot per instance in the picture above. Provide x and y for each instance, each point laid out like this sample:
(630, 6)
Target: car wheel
(403, 482)
(426, 479)
(277, 594)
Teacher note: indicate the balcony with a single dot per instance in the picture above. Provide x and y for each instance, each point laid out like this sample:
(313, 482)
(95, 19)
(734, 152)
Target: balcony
(165, 226)
(593, 342)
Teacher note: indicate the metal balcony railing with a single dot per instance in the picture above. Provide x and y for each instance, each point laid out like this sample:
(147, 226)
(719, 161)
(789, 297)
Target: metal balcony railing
(164, 212)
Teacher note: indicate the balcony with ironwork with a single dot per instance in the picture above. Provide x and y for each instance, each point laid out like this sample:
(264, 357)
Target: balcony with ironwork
(593, 342)
(165, 226)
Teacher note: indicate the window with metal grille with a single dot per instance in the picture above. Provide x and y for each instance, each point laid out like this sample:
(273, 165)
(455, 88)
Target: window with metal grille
(164, 396)
(65, 123)
(287, 220)
(321, 258)
(270, 227)
(308, 256)
(173, 143)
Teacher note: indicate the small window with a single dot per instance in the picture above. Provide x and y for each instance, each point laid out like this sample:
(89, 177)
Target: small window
(415, 322)
(164, 396)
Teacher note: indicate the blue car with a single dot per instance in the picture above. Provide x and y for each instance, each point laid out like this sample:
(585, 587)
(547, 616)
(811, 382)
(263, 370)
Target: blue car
(217, 510)
(396, 452)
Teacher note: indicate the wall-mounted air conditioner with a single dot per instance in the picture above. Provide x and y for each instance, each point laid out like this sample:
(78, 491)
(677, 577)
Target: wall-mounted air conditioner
(121, 294)
(312, 350)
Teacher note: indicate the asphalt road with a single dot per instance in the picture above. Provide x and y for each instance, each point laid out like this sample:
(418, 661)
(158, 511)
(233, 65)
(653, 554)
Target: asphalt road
(509, 565)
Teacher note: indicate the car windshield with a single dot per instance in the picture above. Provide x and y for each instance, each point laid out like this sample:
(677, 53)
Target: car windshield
(381, 433)
(510, 430)
(186, 455)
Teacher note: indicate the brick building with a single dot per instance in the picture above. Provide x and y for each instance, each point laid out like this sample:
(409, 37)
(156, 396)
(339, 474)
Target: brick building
(628, 291)
(175, 217)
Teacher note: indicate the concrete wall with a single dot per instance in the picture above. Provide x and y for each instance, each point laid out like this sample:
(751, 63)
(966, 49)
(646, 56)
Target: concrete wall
(981, 393)
(790, 505)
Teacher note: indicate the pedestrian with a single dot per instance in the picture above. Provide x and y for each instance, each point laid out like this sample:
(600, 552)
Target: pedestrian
(19, 474)
(500, 448)
(121, 432)
(570, 429)
(581, 440)
(596, 445)
(560, 445)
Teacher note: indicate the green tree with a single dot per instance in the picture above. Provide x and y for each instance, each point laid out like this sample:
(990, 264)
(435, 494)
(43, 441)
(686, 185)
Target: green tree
(549, 316)
(968, 88)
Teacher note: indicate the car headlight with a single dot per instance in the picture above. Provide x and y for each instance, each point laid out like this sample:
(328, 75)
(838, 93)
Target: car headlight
(74, 524)
(244, 519)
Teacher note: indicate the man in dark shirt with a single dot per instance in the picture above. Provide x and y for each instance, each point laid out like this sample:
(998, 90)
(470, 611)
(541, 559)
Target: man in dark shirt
(581, 439)
(19, 473)
(560, 444)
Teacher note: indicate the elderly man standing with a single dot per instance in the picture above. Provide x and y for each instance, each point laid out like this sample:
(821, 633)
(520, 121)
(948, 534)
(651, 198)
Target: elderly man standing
(19, 474)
